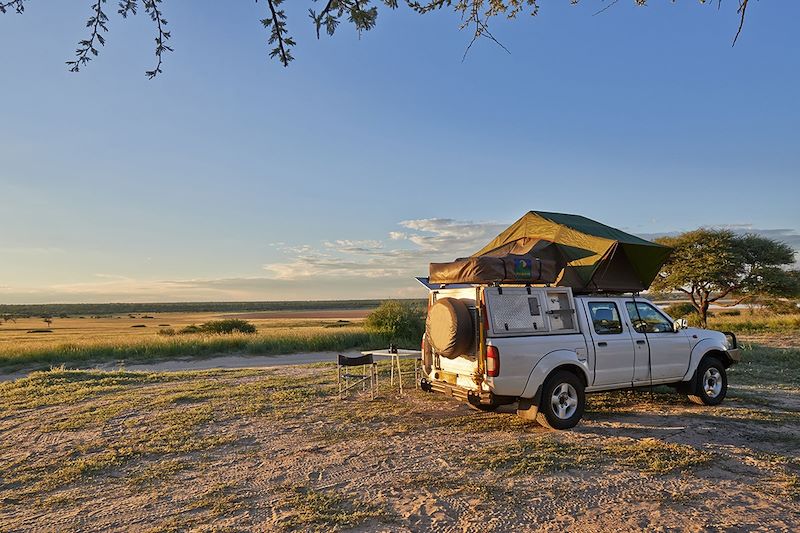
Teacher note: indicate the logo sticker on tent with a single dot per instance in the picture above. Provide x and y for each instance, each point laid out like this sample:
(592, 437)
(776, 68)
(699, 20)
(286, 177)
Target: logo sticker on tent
(522, 268)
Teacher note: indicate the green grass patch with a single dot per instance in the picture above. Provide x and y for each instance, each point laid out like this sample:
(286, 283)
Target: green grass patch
(761, 365)
(306, 509)
(549, 453)
(536, 456)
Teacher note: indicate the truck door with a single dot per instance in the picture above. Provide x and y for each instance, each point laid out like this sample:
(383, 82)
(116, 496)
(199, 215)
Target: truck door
(669, 350)
(613, 345)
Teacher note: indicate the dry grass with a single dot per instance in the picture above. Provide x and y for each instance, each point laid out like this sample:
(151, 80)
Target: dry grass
(91, 340)
(755, 323)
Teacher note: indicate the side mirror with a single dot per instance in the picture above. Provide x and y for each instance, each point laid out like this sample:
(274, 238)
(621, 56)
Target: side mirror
(680, 323)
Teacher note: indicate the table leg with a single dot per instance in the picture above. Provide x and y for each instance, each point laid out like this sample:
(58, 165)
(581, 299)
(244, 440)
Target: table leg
(399, 374)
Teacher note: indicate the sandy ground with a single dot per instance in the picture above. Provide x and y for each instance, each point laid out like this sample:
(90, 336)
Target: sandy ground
(216, 362)
(407, 463)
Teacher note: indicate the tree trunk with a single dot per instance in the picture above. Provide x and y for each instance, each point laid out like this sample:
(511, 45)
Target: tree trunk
(704, 313)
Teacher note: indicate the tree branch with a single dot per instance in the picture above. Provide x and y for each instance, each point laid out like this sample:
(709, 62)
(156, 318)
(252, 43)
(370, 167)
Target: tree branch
(331, 27)
(741, 11)
(97, 22)
(17, 5)
(126, 7)
(737, 302)
(609, 6)
(724, 293)
(151, 7)
(277, 24)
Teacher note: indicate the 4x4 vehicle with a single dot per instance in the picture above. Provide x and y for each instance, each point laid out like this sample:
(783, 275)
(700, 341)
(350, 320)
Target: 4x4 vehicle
(545, 348)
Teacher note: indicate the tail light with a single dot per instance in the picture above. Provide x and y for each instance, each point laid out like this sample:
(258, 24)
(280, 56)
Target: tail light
(492, 361)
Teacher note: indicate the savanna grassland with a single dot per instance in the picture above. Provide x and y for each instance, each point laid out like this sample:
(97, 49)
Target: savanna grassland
(83, 340)
(273, 450)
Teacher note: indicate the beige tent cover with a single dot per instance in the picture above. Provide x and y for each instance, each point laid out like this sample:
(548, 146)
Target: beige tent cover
(509, 268)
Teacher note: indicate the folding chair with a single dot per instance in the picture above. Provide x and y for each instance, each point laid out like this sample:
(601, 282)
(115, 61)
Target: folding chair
(369, 373)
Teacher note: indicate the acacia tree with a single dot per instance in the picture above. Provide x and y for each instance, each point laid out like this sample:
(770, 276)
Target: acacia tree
(709, 265)
(362, 14)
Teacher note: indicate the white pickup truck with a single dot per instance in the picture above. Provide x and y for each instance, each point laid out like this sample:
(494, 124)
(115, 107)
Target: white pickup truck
(545, 348)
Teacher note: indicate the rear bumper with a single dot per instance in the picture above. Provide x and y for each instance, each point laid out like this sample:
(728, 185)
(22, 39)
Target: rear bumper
(456, 391)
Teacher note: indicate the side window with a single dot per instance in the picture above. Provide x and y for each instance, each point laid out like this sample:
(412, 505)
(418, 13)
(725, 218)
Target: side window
(646, 318)
(605, 318)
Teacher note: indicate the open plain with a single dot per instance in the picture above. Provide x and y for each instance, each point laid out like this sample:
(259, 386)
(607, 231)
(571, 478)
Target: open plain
(272, 449)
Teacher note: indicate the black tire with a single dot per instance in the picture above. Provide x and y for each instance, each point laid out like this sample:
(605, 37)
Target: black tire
(449, 328)
(710, 383)
(559, 388)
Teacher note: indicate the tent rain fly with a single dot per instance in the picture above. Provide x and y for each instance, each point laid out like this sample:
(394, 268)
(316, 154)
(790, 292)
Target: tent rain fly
(589, 256)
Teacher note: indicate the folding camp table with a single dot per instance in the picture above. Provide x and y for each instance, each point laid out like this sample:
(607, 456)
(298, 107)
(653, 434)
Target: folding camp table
(396, 356)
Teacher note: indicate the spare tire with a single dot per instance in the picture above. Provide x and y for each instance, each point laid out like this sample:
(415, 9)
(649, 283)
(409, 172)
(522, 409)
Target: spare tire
(449, 327)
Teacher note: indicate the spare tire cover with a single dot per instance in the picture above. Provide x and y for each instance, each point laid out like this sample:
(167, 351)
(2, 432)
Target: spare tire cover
(449, 327)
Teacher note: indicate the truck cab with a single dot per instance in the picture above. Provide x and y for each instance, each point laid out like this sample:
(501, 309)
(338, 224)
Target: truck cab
(544, 348)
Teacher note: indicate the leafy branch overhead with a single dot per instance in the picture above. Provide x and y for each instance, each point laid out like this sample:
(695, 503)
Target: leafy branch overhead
(361, 14)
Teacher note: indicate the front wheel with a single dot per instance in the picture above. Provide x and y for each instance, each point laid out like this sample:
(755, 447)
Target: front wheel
(563, 401)
(710, 383)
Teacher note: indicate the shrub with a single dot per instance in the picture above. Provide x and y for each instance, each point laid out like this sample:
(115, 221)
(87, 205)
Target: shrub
(231, 325)
(732, 312)
(221, 327)
(680, 310)
(397, 320)
(781, 307)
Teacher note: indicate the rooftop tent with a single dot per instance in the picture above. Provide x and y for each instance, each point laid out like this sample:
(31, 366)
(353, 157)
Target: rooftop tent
(591, 256)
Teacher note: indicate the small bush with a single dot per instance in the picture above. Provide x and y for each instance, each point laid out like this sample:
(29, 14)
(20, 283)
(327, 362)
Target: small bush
(231, 325)
(732, 312)
(221, 327)
(397, 320)
(781, 307)
(680, 310)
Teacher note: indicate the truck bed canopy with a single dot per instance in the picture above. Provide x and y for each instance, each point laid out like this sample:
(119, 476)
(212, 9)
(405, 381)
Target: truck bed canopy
(560, 249)
(593, 257)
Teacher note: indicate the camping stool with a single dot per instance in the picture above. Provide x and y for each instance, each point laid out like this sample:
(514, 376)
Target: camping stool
(369, 373)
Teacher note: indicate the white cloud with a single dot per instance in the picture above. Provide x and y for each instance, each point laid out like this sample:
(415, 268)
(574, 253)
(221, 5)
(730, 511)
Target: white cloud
(432, 240)
(336, 269)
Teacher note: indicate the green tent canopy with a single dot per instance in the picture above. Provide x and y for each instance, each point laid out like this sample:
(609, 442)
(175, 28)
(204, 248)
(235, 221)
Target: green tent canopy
(591, 256)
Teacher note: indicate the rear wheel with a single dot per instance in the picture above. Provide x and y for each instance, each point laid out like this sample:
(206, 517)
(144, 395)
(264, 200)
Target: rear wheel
(710, 383)
(563, 401)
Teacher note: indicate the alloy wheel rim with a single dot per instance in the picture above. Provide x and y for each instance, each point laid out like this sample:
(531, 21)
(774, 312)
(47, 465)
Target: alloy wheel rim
(712, 382)
(564, 401)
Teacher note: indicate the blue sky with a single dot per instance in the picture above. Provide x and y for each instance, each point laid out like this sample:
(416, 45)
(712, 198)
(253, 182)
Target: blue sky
(233, 178)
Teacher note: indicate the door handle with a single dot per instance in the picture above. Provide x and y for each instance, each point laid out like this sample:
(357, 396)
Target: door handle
(603, 343)
(640, 342)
